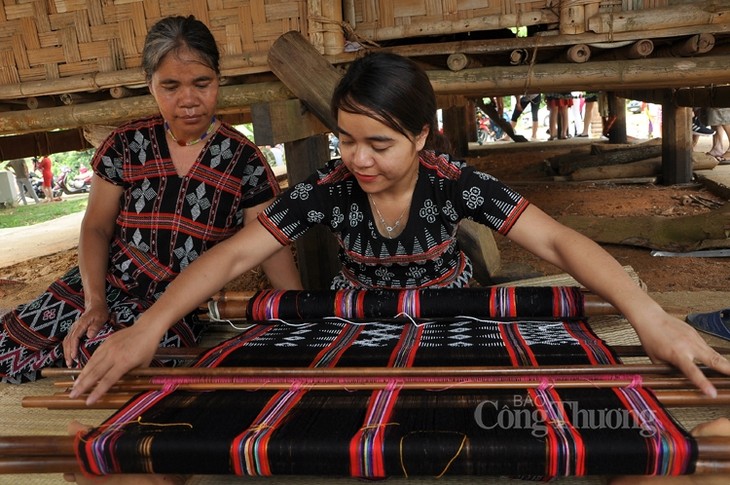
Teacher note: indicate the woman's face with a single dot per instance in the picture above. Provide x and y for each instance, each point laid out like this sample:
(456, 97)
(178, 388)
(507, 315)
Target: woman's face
(186, 92)
(381, 158)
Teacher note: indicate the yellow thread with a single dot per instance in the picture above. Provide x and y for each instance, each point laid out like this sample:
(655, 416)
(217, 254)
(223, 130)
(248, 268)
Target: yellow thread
(374, 426)
(124, 423)
(448, 465)
(260, 427)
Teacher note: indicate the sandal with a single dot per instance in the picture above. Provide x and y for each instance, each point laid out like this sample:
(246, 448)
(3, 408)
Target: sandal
(719, 158)
(714, 323)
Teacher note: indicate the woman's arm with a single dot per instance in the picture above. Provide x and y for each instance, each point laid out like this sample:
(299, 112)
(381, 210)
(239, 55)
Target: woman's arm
(136, 345)
(280, 267)
(664, 337)
(97, 230)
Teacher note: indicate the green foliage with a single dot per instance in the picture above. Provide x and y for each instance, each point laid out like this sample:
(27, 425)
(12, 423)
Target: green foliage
(74, 160)
(26, 215)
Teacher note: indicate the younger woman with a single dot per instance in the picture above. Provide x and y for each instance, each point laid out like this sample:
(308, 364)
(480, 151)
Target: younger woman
(394, 205)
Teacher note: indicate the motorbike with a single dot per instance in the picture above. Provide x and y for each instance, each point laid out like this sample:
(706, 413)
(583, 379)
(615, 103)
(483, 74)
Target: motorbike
(36, 181)
(79, 184)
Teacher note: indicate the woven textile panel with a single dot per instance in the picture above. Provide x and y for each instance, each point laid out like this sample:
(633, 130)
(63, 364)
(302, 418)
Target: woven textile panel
(52, 39)
(393, 431)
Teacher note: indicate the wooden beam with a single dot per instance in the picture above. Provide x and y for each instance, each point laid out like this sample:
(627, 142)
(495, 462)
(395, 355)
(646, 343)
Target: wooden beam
(589, 76)
(33, 144)
(294, 60)
(119, 110)
(284, 121)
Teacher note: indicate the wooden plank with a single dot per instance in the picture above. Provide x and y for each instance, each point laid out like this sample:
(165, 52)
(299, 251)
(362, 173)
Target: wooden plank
(293, 59)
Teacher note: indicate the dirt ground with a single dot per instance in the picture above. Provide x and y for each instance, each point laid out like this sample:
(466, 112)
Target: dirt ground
(525, 171)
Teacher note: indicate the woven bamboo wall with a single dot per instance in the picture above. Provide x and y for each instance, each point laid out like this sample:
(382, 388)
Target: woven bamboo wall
(391, 19)
(51, 39)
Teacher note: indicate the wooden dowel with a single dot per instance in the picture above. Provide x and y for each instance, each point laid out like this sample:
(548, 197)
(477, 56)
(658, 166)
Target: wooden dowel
(189, 353)
(39, 464)
(458, 371)
(36, 446)
(62, 401)
(55, 454)
(374, 384)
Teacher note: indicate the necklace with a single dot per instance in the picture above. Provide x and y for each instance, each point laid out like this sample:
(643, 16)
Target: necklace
(205, 135)
(388, 229)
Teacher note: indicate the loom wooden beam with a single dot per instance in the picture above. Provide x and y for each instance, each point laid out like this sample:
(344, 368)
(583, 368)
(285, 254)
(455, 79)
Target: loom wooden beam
(676, 398)
(232, 305)
(190, 353)
(55, 454)
(391, 372)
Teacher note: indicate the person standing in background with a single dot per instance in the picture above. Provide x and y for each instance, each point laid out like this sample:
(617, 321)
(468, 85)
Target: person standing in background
(533, 101)
(45, 166)
(589, 113)
(21, 178)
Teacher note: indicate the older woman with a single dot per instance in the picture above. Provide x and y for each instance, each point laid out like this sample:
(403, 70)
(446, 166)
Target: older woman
(166, 189)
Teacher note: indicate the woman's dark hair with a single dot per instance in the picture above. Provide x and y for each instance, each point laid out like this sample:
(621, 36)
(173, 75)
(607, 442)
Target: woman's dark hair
(173, 34)
(390, 88)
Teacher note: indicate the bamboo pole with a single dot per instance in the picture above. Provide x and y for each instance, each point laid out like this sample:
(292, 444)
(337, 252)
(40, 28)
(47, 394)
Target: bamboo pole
(259, 383)
(700, 13)
(497, 81)
(572, 17)
(676, 398)
(390, 372)
(603, 75)
(190, 353)
(120, 110)
(695, 45)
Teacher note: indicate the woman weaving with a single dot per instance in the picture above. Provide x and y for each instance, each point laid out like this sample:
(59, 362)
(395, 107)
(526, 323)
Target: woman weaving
(394, 205)
(166, 189)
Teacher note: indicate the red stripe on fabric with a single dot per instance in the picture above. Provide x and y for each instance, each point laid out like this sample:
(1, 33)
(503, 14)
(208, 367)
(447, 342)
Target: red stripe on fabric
(589, 349)
(510, 331)
(279, 235)
(513, 216)
(219, 353)
(512, 302)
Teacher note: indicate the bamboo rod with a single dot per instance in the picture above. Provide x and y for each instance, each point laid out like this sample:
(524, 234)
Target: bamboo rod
(375, 383)
(190, 353)
(39, 464)
(670, 398)
(456, 371)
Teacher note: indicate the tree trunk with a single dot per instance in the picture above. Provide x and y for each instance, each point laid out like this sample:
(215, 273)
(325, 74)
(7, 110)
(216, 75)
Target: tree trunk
(615, 157)
(678, 234)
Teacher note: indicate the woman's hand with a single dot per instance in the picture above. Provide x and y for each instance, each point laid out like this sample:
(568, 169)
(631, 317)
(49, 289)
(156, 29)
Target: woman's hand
(88, 325)
(671, 340)
(123, 351)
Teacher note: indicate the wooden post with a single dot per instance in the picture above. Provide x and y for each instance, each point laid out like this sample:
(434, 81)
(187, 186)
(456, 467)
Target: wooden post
(316, 251)
(454, 118)
(676, 144)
